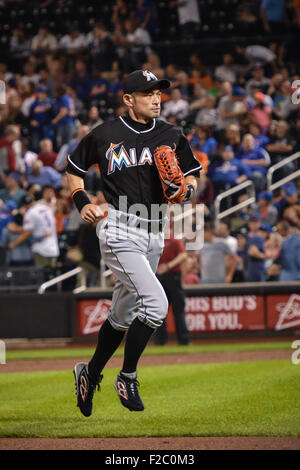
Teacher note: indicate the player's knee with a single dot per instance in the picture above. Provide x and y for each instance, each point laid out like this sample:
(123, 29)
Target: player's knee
(155, 313)
(162, 306)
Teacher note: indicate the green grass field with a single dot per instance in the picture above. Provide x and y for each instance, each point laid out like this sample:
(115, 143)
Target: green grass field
(80, 352)
(248, 398)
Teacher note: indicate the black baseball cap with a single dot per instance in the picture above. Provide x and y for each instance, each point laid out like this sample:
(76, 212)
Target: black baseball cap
(143, 80)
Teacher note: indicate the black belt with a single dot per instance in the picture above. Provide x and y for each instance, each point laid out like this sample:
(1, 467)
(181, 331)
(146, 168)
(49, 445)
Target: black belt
(151, 226)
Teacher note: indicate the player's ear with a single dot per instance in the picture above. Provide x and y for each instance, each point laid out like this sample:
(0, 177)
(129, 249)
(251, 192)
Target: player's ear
(128, 99)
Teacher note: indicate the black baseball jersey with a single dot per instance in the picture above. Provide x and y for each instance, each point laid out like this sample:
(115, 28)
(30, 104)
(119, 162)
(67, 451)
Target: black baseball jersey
(123, 149)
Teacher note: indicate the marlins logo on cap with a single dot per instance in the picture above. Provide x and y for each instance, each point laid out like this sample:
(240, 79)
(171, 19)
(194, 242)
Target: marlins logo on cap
(143, 80)
(149, 75)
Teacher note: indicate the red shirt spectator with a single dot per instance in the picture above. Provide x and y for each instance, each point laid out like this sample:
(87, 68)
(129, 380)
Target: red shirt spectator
(173, 247)
(47, 156)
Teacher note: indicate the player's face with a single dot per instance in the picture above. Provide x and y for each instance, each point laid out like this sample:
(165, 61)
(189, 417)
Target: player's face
(145, 105)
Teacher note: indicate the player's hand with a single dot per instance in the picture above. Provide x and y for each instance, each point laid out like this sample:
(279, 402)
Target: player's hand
(91, 213)
(162, 268)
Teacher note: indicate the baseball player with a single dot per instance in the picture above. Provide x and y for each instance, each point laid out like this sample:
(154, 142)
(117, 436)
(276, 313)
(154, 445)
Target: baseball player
(131, 241)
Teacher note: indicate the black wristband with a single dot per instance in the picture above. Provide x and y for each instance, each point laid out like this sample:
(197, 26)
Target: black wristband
(80, 199)
(190, 193)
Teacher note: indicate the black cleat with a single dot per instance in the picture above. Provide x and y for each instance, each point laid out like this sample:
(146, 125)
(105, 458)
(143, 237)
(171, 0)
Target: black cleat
(127, 390)
(85, 388)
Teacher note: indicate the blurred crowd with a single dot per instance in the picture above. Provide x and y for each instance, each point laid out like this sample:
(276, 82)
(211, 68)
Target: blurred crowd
(241, 116)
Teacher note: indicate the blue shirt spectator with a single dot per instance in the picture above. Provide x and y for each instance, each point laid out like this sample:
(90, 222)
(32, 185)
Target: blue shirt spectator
(12, 193)
(99, 87)
(274, 10)
(20, 255)
(255, 158)
(5, 216)
(289, 259)
(64, 103)
(229, 171)
(255, 266)
(40, 110)
(43, 175)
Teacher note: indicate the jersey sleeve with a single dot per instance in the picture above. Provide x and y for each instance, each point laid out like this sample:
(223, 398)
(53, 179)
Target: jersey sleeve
(187, 160)
(83, 157)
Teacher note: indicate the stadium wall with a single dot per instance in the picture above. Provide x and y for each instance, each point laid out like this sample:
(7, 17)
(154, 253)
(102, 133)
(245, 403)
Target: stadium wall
(237, 310)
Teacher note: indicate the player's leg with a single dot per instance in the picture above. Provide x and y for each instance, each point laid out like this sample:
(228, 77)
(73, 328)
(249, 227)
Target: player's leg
(136, 271)
(110, 336)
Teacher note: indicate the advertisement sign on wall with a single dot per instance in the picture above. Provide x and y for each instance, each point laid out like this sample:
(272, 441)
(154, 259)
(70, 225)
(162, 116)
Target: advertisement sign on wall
(203, 314)
(223, 313)
(283, 311)
(91, 314)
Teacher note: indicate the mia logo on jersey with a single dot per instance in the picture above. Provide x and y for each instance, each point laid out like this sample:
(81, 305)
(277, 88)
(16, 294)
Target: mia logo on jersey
(118, 156)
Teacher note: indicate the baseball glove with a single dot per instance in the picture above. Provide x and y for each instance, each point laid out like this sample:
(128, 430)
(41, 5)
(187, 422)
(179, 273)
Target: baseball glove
(170, 174)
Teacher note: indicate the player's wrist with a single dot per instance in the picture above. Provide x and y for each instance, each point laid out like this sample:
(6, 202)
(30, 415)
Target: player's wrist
(80, 199)
(190, 192)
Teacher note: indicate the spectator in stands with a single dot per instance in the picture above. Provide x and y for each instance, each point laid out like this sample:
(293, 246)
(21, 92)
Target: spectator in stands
(282, 144)
(273, 15)
(66, 149)
(74, 42)
(29, 74)
(201, 138)
(265, 208)
(258, 81)
(283, 104)
(139, 40)
(93, 118)
(255, 251)
(17, 255)
(287, 265)
(39, 225)
(8, 158)
(255, 159)
(205, 193)
(197, 98)
(207, 116)
(257, 55)
(6, 216)
(261, 140)
(224, 232)
(40, 116)
(232, 137)
(231, 108)
(102, 49)
(239, 273)
(80, 80)
(272, 252)
(12, 190)
(188, 17)
(19, 44)
(120, 12)
(229, 171)
(47, 155)
(14, 113)
(49, 197)
(64, 116)
(190, 270)
(98, 88)
(227, 71)
(42, 175)
(288, 197)
(43, 40)
(169, 274)
(176, 106)
(146, 12)
(261, 112)
(28, 97)
(217, 262)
